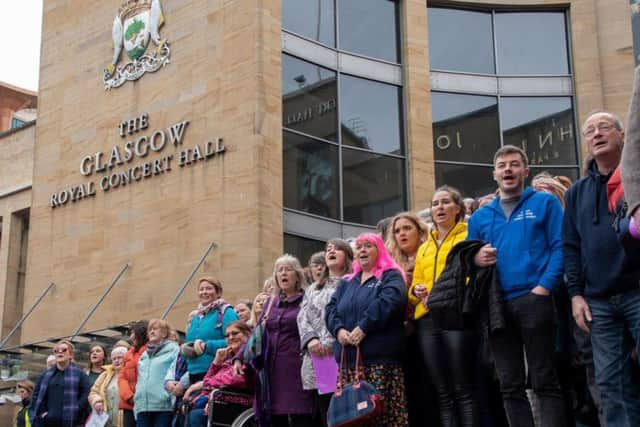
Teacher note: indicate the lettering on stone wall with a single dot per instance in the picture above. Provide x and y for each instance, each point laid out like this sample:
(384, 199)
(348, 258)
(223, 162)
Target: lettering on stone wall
(116, 166)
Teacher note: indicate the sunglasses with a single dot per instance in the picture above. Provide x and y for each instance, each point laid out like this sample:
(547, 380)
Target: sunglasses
(60, 350)
(232, 334)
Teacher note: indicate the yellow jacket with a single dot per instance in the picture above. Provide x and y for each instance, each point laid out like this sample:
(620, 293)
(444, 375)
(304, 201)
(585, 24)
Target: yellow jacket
(98, 392)
(430, 261)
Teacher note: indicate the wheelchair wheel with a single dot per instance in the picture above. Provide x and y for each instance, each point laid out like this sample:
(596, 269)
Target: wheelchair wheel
(245, 419)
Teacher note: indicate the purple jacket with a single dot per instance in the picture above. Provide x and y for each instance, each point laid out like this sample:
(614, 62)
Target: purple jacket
(284, 360)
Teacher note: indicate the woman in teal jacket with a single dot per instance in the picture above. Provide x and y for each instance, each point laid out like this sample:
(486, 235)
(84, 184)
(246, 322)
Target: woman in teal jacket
(152, 403)
(205, 328)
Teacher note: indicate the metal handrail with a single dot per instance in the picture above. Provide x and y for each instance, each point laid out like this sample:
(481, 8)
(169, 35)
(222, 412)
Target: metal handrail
(104, 295)
(178, 294)
(27, 314)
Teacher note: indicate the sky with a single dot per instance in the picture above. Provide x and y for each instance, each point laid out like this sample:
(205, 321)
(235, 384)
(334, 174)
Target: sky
(20, 29)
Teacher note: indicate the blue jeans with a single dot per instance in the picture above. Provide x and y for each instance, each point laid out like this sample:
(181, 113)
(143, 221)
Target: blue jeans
(197, 418)
(154, 419)
(614, 319)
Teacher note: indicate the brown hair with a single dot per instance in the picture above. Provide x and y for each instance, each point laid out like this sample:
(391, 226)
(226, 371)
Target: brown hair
(511, 149)
(26, 385)
(348, 258)
(390, 240)
(456, 197)
(217, 284)
(239, 325)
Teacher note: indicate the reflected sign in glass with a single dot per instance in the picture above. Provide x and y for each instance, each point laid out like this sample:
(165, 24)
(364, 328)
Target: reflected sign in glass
(370, 115)
(309, 98)
(543, 127)
(310, 176)
(465, 127)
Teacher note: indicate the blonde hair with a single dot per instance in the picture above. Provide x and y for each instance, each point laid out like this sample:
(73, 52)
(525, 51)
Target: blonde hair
(554, 186)
(163, 325)
(390, 241)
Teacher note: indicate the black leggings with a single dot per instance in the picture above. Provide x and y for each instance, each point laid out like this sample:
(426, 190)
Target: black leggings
(450, 358)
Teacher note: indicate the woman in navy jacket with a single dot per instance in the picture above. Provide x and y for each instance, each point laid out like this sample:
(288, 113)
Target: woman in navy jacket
(367, 310)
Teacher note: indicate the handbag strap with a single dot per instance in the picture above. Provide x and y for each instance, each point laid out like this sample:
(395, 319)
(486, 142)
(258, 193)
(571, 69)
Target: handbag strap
(266, 313)
(342, 369)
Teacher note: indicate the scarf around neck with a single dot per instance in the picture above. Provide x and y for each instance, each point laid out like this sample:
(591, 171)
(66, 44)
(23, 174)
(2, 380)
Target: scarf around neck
(203, 310)
(153, 348)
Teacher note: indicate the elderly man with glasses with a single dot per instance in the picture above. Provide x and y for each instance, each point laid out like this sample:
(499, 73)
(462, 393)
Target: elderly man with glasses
(60, 396)
(603, 279)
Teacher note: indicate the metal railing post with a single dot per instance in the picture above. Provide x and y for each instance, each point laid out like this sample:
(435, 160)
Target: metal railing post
(104, 295)
(186, 282)
(27, 314)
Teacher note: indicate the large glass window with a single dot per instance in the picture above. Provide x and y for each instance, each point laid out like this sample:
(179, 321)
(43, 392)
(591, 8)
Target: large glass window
(370, 28)
(450, 48)
(465, 127)
(310, 175)
(531, 43)
(543, 127)
(302, 247)
(373, 186)
(370, 115)
(344, 161)
(309, 98)
(498, 107)
(313, 19)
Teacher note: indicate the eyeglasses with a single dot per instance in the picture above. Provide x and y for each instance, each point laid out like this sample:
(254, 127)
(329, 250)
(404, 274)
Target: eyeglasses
(60, 350)
(232, 334)
(602, 127)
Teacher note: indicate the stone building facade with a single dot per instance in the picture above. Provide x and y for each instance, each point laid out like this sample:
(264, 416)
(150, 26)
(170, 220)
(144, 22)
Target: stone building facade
(274, 125)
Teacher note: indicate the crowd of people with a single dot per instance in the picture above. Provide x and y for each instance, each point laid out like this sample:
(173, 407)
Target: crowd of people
(518, 308)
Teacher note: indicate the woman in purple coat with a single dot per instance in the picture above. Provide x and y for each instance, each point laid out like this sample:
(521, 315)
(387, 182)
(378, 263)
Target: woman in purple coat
(288, 404)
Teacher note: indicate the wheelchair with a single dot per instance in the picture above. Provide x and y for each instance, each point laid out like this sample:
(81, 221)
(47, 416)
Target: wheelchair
(231, 408)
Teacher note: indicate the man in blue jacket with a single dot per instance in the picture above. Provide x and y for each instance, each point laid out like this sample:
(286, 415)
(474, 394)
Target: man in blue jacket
(603, 280)
(523, 231)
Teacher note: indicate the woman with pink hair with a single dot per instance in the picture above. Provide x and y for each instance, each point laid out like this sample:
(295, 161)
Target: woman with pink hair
(367, 310)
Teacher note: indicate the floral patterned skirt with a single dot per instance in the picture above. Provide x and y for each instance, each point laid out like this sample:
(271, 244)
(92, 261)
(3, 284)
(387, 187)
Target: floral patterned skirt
(388, 379)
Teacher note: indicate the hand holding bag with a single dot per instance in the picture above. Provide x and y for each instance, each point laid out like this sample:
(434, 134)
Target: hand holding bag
(355, 403)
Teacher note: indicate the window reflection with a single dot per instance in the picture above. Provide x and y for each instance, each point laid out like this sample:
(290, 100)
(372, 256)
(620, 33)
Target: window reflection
(470, 50)
(313, 19)
(472, 181)
(309, 99)
(373, 186)
(370, 28)
(370, 115)
(310, 175)
(543, 127)
(531, 43)
(301, 247)
(465, 127)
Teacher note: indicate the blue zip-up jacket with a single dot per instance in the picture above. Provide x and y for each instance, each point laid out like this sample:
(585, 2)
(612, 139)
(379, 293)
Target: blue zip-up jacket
(529, 242)
(378, 307)
(595, 261)
(210, 330)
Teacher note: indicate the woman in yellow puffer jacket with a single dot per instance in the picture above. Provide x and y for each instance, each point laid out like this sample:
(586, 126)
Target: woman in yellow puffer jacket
(448, 355)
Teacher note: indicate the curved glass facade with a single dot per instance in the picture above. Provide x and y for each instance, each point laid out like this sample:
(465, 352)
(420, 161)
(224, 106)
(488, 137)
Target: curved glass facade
(505, 80)
(343, 121)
